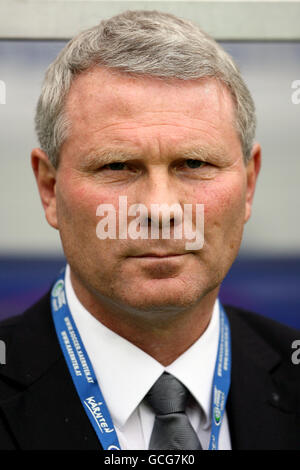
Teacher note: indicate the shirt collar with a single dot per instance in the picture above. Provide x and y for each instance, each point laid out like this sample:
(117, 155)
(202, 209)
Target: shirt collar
(120, 366)
(195, 367)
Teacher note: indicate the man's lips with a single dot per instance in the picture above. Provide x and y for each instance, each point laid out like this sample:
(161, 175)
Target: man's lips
(159, 255)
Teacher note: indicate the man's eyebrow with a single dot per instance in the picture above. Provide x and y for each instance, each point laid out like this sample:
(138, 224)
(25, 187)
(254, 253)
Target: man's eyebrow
(106, 156)
(203, 153)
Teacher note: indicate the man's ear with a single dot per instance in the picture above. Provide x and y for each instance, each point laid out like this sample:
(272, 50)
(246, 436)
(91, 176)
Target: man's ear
(252, 169)
(45, 175)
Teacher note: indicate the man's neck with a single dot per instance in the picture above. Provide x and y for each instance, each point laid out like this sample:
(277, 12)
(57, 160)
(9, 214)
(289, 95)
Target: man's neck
(164, 337)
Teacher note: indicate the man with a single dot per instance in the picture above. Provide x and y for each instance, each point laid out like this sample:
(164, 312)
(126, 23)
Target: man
(132, 348)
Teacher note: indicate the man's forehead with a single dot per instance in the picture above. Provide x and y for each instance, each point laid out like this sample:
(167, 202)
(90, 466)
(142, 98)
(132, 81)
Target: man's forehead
(145, 114)
(127, 95)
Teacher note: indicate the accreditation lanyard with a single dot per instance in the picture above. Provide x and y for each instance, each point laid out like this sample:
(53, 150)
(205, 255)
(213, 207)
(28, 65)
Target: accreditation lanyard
(86, 383)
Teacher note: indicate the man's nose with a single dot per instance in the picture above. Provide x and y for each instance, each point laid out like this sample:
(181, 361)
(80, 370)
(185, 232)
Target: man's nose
(161, 196)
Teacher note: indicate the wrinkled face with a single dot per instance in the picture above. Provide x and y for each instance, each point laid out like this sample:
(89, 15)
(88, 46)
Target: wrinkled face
(155, 143)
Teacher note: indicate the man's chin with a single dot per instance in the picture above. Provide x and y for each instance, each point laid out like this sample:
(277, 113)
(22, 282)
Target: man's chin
(162, 303)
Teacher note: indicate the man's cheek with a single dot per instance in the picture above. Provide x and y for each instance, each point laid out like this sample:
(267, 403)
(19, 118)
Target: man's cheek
(221, 214)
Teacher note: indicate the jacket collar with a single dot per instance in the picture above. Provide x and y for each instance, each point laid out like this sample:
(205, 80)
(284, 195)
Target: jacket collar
(38, 387)
(259, 410)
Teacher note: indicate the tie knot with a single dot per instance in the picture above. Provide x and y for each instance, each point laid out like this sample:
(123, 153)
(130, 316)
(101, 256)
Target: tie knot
(167, 395)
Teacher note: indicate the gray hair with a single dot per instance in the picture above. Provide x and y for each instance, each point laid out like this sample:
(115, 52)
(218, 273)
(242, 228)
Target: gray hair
(140, 43)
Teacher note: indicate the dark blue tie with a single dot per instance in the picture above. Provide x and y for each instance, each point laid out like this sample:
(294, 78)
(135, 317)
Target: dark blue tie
(172, 429)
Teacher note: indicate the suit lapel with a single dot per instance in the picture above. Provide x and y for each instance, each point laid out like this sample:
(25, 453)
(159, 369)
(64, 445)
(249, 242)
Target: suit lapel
(40, 404)
(261, 414)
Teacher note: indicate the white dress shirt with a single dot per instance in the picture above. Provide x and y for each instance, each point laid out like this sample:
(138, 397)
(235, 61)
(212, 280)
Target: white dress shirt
(125, 374)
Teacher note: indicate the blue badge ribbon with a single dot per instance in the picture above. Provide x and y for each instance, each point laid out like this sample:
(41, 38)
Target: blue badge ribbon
(221, 380)
(85, 380)
(81, 368)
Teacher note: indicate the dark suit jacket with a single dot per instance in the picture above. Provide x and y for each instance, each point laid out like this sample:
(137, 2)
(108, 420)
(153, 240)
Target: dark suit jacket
(40, 409)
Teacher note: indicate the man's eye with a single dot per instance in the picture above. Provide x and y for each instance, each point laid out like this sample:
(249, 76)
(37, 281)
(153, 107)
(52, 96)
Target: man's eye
(115, 166)
(194, 163)
(118, 166)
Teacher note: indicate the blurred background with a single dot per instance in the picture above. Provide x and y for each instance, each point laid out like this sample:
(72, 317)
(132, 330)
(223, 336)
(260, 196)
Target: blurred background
(263, 38)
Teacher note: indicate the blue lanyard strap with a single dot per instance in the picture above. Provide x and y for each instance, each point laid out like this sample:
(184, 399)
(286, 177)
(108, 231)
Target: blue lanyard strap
(81, 368)
(221, 380)
(86, 383)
